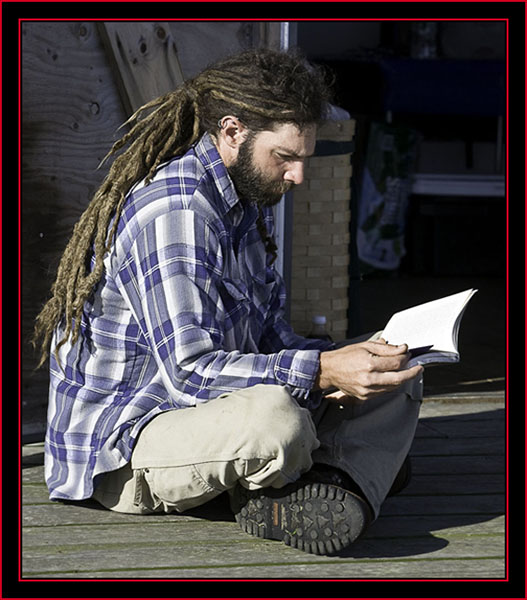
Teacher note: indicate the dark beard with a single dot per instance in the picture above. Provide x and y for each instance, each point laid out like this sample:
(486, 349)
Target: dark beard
(250, 183)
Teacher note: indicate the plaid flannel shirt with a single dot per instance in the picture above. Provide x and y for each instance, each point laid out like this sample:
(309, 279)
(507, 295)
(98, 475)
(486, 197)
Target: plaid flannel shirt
(188, 309)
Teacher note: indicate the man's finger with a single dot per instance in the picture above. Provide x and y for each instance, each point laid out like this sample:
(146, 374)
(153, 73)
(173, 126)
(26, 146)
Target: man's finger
(389, 363)
(382, 349)
(395, 378)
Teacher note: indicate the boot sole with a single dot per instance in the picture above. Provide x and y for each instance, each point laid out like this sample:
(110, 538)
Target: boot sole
(317, 518)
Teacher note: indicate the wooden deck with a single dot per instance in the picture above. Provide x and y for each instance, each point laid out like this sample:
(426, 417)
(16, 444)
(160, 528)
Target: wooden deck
(448, 524)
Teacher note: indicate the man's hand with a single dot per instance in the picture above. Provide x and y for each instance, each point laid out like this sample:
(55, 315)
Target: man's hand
(365, 370)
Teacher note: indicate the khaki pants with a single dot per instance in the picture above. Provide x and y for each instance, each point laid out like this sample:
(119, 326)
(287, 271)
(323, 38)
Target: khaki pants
(261, 437)
(258, 436)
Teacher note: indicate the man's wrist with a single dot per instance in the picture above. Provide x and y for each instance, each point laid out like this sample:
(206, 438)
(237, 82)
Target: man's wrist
(323, 381)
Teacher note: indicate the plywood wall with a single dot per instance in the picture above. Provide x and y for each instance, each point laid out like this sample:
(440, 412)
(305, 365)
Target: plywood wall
(70, 113)
(71, 110)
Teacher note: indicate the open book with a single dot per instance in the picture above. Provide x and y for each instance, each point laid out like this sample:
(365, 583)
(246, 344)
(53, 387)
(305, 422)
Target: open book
(430, 329)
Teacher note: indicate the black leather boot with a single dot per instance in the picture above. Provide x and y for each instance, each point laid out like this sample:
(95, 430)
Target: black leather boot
(311, 514)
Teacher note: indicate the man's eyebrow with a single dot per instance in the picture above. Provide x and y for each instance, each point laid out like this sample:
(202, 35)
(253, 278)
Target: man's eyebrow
(291, 153)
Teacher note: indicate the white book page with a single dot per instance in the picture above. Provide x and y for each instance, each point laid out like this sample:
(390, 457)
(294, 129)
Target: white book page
(430, 324)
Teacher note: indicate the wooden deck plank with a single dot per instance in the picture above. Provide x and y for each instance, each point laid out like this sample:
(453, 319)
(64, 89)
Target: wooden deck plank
(448, 465)
(199, 558)
(431, 505)
(448, 523)
(385, 529)
(439, 525)
(454, 483)
(408, 569)
(182, 552)
(52, 514)
(458, 447)
(470, 426)
(455, 409)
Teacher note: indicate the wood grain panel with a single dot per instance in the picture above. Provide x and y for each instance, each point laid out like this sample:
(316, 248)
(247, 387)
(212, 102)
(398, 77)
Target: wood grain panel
(70, 113)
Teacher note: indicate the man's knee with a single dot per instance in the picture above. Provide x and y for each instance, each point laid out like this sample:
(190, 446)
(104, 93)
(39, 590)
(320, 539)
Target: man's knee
(280, 436)
(275, 408)
(278, 420)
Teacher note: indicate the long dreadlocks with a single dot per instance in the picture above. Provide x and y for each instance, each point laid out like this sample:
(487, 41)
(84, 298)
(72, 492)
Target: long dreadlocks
(262, 87)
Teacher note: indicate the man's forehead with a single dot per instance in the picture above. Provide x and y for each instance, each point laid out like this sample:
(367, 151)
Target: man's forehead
(293, 128)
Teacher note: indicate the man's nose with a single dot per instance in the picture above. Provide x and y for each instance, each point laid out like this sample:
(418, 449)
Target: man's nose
(295, 173)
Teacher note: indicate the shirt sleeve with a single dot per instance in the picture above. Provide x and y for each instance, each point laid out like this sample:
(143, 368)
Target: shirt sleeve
(172, 279)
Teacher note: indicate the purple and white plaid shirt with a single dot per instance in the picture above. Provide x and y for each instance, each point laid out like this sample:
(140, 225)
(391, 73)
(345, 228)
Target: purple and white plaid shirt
(188, 308)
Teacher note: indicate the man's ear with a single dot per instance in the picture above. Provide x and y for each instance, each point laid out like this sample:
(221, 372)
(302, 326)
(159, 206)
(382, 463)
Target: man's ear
(232, 131)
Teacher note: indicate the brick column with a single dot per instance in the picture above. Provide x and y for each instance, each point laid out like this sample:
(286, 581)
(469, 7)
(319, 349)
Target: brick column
(321, 237)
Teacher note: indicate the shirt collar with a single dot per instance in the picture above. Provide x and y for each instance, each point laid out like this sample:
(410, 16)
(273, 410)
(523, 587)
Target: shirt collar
(210, 158)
